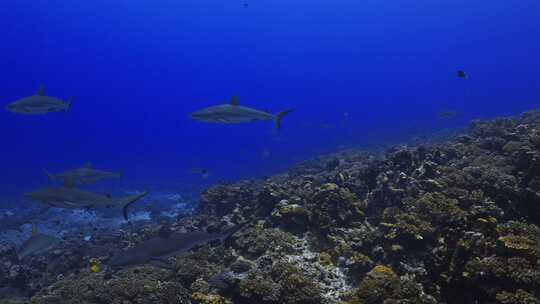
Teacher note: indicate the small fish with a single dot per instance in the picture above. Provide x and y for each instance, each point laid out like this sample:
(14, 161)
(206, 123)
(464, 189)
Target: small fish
(234, 113)
(39, 104)
(203, 172)
(265, 153)
(38, 243)
(73, 198)
(94, 265)
(447, 114)
(461, 74)
(85, 175)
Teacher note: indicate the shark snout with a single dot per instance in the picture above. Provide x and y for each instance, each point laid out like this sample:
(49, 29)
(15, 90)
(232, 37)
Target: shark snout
(194, 115)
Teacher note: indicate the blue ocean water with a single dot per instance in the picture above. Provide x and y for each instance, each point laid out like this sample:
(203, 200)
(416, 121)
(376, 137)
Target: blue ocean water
(358, 73)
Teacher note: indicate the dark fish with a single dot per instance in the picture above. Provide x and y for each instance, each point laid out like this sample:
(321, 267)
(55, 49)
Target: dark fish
(73, 198)
(165, 245)
(234, 113)
(38, 243)
(85, 175)
(461, 74)
(265, 153)
(39, 104)
(447, 114)
(203, 172)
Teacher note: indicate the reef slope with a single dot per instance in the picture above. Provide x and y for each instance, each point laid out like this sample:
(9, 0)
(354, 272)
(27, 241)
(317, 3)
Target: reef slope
(455, 222)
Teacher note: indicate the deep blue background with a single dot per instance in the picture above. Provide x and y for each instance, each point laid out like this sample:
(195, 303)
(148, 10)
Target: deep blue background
(137, 69)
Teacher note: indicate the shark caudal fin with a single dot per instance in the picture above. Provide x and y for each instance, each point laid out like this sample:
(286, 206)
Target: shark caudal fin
(68, 104)
(279, 116)
(127, 201)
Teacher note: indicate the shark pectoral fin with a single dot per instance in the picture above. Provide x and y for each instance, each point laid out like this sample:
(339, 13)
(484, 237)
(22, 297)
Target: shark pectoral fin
(234, 101)
(68, 203)
(41, 90)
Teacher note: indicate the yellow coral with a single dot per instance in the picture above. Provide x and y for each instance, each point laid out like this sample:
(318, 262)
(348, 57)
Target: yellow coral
(517, 242)
(330, 187)
(380, 279)
(325, 259)
(384, 270)
(342, 250)
(489, 220)
(486, 224)
(360, 258)
(202, 298)
(293, 210)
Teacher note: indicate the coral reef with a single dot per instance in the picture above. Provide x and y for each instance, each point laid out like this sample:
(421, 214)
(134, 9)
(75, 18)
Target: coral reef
(454, 222)
(134, 285)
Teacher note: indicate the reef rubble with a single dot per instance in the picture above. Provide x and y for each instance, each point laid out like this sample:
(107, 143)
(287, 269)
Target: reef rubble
(455, 222)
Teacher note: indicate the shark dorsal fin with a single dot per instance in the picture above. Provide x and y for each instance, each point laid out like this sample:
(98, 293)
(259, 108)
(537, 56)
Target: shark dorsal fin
(87, 165)
(234, 101)
(34, 229)
(41, 90)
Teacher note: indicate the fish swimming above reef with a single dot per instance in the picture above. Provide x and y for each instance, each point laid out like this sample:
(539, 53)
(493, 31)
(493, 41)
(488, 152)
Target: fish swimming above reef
(265, 153)
(38, 243)
(461, 74)
(234, 113)
(39, 104)
(85, 175)
(203, 172)
(447, 114)
(73, 198)
(165, 245)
